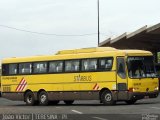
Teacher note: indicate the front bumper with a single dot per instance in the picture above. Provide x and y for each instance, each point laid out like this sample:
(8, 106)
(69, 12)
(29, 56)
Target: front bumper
(142, 95)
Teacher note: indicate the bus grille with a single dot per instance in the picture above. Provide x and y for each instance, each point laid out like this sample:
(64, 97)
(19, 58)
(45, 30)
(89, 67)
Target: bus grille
(6, 88)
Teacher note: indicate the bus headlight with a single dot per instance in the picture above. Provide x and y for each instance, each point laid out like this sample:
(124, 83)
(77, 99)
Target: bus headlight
(133, 89)
(156, 88)
(130, 89)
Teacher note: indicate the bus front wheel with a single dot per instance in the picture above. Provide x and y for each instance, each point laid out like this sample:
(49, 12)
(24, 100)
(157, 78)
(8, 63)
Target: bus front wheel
(29, 98)
(106, 98)
(68, 102)
(43, 98)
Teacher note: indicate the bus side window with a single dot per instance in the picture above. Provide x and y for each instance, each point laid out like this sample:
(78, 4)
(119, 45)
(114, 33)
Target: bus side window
(105, 63)
(84, 65)
(93, 64)
(12, 69)
(60, 67)
(25, 68)
(40, 67)
(89, 65)
(5, 69)
(72, 65)
(76, 64)
(52, 67)
(68, 66)
(55, 66)
(102, 63)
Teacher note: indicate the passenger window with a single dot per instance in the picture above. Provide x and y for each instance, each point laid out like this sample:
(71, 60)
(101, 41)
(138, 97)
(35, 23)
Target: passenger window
(93, 64)
(55, 66)
(40, 67)
(68, 66)
(5, 69)
(85, 65)
(121, 68)
(12, 69)
(89, 65)
(25, 68)
(76, 65)
(105, 63)
(72, 65)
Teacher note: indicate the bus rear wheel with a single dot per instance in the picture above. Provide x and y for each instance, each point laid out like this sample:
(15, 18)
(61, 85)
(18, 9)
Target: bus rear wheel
(68, 102)
(43, 98)
(106, 98)
(29, 98)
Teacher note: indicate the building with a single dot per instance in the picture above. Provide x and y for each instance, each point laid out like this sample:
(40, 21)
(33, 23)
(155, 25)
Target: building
(145, 38)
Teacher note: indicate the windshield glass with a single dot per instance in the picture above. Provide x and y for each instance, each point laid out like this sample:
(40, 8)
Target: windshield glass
(141, 67)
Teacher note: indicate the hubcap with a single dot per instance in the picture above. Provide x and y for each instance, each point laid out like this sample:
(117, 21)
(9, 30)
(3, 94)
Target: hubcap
(108, 97)
(29, 99)
(43, 98)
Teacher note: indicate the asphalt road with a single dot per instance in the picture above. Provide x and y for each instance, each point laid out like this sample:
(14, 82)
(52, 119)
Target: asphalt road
(82, 110)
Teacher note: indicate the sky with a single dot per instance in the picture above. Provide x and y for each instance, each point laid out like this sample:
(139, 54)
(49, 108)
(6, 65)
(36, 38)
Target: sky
(68, 19)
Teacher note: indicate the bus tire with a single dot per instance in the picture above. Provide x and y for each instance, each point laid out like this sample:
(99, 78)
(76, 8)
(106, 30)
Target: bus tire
(29, 98)
(68, 102)
(106, 98)
(54, 102)
(43, 98)
(130, 102)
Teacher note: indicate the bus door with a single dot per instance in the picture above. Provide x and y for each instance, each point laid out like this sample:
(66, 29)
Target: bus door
(121, 79)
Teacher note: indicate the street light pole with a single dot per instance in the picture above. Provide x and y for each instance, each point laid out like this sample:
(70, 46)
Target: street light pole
(98, 22)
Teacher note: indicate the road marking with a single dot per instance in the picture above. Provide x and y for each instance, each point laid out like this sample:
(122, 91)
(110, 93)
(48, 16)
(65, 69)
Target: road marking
(99, 118)
(77, 111)
(58, 107)
(155, 107)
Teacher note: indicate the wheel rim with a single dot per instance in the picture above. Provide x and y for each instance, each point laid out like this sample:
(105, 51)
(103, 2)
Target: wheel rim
(29, 99)
(108, 97)
(43, 98)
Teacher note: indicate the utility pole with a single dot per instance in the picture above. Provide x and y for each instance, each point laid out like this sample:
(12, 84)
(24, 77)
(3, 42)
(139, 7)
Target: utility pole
(98, 22)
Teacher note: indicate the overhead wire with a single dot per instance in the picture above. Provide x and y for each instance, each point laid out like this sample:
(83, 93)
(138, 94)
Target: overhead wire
(41, 33)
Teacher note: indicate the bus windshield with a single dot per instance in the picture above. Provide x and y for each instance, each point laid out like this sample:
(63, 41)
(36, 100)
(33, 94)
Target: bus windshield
(141, 67)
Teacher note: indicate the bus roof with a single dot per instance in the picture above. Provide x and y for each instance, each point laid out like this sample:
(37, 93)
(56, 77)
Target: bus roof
(86, 50)
(80, 53)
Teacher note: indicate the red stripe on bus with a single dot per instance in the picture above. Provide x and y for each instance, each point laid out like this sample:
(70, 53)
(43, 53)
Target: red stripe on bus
(23, 86)
(19, 84)
(95, 86)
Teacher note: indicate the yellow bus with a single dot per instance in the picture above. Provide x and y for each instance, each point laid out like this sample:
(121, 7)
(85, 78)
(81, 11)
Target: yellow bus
(103, 73)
